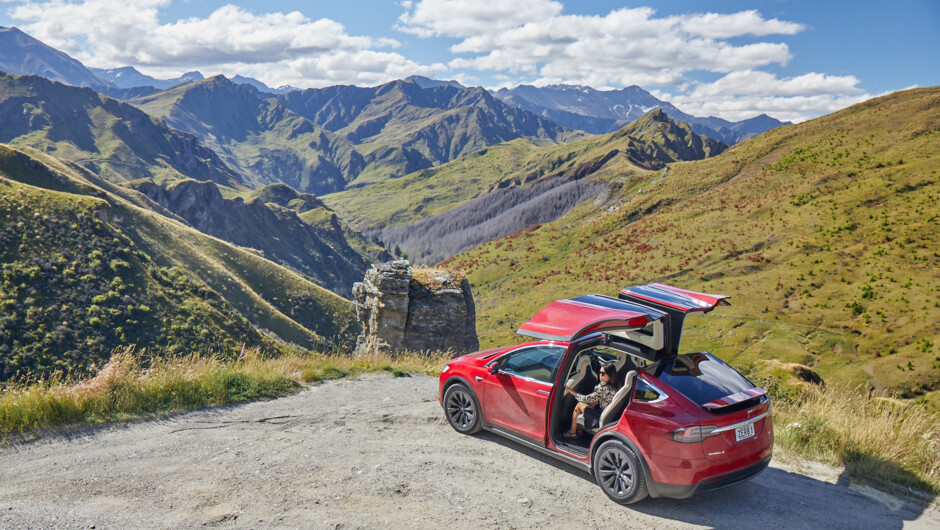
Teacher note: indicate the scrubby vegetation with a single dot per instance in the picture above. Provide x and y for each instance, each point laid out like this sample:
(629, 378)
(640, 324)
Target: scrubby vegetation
(134, 384)
(65, 306)
(85, 270)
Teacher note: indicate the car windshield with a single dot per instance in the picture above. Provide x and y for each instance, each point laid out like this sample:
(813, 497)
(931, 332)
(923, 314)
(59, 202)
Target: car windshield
(702, 377)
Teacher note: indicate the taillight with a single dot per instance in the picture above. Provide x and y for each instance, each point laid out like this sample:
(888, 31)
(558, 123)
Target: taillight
(692, 434)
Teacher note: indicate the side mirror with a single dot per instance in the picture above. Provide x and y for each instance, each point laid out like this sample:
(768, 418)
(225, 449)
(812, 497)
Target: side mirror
(494, 368)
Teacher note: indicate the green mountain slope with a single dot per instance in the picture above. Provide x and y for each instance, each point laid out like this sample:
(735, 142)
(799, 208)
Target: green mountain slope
(824, 233)
(256, 134)
(400, 127)
(111, 138)
(86, 267)
(649, 143)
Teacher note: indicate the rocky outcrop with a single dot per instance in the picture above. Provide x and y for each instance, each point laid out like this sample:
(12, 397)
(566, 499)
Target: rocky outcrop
(416, 309)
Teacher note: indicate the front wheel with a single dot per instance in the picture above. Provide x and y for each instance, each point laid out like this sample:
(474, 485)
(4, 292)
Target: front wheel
(462, 410)
(619, 472)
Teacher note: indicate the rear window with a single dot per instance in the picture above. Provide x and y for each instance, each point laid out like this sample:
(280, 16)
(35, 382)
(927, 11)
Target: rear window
(702, 377)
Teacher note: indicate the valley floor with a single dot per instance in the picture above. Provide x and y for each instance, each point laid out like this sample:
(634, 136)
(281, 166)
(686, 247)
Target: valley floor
(377, 452)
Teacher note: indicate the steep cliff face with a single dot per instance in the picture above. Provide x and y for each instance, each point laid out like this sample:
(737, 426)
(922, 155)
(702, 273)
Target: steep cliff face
(325, 257)
(402, 308)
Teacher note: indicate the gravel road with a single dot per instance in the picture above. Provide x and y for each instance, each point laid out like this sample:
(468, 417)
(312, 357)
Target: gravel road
(376, 453)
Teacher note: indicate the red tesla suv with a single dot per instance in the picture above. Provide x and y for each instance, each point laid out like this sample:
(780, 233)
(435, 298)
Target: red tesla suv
(681, 423)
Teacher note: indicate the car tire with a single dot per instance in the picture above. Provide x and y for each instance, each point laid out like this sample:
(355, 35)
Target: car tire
(462, 409)
(620, 472)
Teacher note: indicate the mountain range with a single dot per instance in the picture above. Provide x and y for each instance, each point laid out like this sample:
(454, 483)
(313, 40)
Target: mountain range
(572, 107)
(599, 112)
(326, 140)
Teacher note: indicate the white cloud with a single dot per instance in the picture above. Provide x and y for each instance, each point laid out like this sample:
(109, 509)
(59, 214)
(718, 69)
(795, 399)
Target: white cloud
(278, 48)
(625, 46)
(462, 18)
(742, 95)
(719, 26)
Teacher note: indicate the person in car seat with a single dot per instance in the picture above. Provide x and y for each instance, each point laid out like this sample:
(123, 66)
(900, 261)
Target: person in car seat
(591, 405)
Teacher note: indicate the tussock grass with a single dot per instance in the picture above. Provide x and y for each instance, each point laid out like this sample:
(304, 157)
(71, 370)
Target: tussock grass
(131, 385)
(880, 439)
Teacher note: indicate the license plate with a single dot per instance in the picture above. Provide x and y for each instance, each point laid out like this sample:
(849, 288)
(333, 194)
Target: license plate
(744, 432)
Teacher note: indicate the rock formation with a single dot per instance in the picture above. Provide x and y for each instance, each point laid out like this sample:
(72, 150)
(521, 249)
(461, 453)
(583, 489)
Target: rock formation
(417, 309)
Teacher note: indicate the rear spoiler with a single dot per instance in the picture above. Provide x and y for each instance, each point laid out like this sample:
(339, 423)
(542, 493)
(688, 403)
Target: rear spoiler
(733, 399)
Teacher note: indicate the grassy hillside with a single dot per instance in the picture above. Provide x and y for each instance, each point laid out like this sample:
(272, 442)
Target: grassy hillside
(111, 138)
(87, 268)
(646, 144)
(824, 234)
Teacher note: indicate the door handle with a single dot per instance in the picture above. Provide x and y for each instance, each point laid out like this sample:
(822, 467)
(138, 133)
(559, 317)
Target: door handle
(546, 392)
(478, 378)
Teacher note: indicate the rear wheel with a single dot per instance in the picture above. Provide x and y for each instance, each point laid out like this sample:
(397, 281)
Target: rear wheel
(619, 472)
(461, 409)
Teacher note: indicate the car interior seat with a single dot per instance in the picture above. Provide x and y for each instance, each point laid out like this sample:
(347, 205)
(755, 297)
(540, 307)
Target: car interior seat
(624, 365)
(612, 412)
(581, 373)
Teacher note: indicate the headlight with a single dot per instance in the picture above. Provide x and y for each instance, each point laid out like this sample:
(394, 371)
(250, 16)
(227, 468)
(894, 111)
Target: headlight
(446, 367)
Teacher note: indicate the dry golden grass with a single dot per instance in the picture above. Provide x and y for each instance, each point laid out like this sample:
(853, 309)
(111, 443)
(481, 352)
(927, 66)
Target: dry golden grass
(437, 278)
(881, 439)
(132, 385)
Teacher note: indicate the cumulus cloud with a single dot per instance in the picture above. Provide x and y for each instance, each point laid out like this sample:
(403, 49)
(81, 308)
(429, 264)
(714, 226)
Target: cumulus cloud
(461, 18)
(629, 43)
(742, 95)
(278, 48)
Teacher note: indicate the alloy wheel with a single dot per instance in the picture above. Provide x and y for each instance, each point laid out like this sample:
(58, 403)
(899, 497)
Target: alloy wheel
(615, 472)
(461, 409)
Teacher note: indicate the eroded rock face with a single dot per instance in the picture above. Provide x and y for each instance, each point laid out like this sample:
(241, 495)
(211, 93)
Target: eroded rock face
(401, 308)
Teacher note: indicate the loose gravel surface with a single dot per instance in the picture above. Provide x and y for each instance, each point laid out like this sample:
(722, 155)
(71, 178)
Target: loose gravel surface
(376, 453)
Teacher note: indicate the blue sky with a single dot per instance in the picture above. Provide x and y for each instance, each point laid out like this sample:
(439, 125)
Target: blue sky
(793, 60)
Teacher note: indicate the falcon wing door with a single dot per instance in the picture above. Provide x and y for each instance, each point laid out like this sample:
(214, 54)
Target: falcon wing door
(569, 320)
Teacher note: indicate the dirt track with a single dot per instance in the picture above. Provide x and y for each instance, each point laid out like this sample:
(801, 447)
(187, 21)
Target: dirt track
(374, 453)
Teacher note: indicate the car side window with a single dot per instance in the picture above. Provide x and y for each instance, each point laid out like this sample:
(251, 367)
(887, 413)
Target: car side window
(645, 392)
(539, 362)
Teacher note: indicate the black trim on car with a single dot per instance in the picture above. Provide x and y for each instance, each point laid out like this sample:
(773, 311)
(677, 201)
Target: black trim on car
(536, 446)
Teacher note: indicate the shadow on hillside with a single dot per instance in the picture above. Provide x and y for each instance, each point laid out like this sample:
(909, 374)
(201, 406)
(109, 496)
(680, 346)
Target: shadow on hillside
(776, 499)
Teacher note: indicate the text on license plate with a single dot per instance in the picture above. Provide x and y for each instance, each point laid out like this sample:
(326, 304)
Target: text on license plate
(743, 432)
